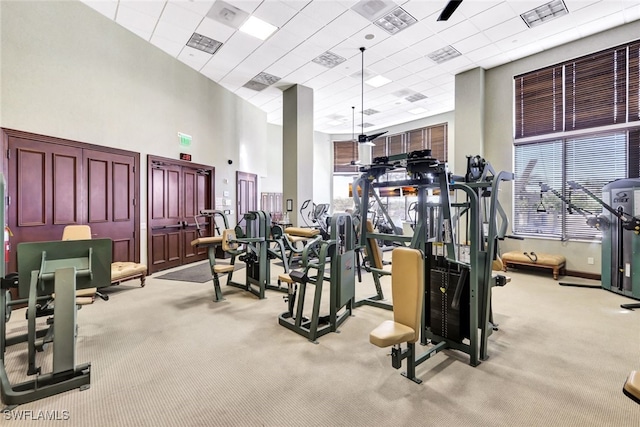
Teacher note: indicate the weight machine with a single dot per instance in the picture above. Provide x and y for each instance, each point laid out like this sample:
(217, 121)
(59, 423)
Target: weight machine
(46, 268)
(340, 249)
(620, 250)
(459, 241)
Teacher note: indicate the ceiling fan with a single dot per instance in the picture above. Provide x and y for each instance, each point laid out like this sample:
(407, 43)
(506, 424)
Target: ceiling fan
(362, 138)
(449, 9)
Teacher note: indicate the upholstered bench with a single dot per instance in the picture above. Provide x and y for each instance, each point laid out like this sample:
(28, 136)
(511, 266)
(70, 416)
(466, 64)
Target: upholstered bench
(300, 234)
(533, 259)
(123, 271)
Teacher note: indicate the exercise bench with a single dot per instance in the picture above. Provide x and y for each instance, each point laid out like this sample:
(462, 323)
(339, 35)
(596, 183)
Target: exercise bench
(532, 259)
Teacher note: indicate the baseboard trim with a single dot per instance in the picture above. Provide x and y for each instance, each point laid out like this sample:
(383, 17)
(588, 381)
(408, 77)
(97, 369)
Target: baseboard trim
(583, 275)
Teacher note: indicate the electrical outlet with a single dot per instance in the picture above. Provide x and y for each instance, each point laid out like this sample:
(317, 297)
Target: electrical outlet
(590, 261)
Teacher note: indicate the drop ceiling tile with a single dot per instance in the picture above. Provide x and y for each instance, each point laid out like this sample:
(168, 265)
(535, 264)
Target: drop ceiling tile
(132, 19)
(105, 7)
(238, 47)
(420, 9)
(494, 61)
(473, 8)
(275, 12)
(282, 40)
(264, 57)
(484, 53)
(507, 29)
(215, 69)
(215, 30)
(560, 38)
(632, 13)
(172, 33)
(303, 26)
(419, 65)
(358, 39)
(193, 57)
(494, 16)
(384, 66)
(458, 32)
(413, 34)
(306, 72)
(201, 7)
(472, 43)
(429, 44)
(602, 23)
(323, 11)
(404, 56)
(396, 74)
(180, 17)
(286, 65)
(172, 47)
(150, 8)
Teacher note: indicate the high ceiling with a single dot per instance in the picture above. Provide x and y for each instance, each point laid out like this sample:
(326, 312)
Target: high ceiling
(487, 33)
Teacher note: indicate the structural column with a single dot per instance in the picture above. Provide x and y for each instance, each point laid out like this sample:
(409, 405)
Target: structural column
(469, 118)
(297, 148)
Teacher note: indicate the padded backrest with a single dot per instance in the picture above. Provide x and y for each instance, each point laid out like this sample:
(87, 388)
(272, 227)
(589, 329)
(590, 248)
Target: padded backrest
(228, 240)
(376, 256)
(76, 232)
(407, 287)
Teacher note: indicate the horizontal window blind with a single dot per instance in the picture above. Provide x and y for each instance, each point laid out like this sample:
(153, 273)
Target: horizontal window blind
(634, 82)
(538, 102)
(380, 147)
(535, 212)
(344, 152)
(596, 91)
(592, 162)
(416, 140)
(395, 144)
(438, 141)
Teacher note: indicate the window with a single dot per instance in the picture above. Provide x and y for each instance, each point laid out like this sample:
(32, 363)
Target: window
(591, 161)
(431, 137)
(564, 116)
(345, 152)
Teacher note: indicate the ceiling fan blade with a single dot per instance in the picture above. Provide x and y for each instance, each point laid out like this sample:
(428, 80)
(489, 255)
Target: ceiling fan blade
(449, 9)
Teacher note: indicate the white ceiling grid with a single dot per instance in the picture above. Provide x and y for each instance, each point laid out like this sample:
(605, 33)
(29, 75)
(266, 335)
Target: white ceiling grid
(487, 33)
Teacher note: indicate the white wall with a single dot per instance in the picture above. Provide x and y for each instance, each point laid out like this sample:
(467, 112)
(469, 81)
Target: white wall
(272, 181)
(322, 167)
(69, 72)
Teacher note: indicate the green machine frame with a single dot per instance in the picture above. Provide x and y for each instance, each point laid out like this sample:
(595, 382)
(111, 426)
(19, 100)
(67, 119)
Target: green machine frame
(45, 268)
(340, 249)
(468, 281)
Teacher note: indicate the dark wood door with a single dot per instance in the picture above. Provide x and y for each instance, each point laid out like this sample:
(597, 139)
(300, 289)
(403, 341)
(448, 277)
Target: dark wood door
(110, 200)
(246, 193)
(177, 192)
(53, 182)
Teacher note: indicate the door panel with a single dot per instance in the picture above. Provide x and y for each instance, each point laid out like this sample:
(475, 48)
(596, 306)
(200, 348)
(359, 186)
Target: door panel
(177, 193)
(110, 200)
(44, 192)
(246, 193)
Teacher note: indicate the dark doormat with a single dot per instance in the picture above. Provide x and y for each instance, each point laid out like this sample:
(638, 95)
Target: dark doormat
(199, 273)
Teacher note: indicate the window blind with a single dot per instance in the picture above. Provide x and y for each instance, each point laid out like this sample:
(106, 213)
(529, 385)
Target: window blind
(535, 212)
(438, 141)
(538, 102)
(395, 144)
(634, 82)
(344, 152)
(380, 147)
(596, 90)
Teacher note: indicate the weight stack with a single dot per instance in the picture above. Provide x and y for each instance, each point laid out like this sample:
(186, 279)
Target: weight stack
(444, 320)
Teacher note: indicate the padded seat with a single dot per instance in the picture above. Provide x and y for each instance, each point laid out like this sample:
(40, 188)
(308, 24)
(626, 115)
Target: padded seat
(632, 386)
(220, 269)
(205, 241)
(534, 259)
(306, 233)
(391, 333)
(123, 271)
(285, 278)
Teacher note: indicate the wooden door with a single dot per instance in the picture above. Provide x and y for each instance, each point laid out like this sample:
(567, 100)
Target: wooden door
(45, 192)
(246, 193)
(53, 182)
(177, 192)
(110, 200)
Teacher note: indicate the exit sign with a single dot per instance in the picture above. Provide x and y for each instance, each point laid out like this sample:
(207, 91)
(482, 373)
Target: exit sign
(185, 140)
(185, 156)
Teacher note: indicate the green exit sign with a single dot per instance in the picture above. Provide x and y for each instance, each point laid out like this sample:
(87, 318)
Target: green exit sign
(185, 140)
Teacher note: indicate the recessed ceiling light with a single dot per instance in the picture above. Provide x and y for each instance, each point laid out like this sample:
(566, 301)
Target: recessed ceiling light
(377, 81)
(329, 59)
(418, 110)
(261, 81)
(258, 28)
(370, 111)
(366, 125)
(443, 55)
(204, 43)
(395, 21)
(544, 13)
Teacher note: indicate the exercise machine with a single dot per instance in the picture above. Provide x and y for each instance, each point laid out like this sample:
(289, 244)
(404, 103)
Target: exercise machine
(47, 269)
(458, 236)
(340, 250)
